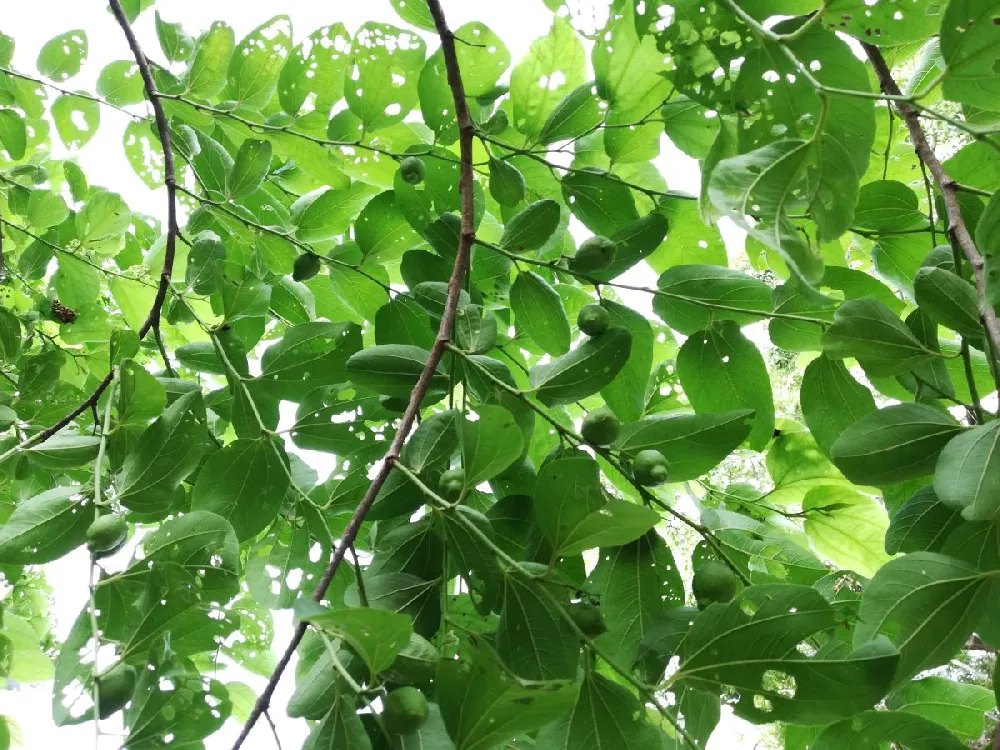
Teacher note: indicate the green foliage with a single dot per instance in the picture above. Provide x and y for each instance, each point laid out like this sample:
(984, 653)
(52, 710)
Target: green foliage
(807, 422)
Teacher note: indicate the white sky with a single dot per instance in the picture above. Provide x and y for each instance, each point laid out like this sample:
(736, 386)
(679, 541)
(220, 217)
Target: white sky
(33, 23)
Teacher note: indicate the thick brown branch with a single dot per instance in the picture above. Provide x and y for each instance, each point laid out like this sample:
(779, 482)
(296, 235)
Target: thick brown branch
(153, 318)
(466, 133)
(958, 232)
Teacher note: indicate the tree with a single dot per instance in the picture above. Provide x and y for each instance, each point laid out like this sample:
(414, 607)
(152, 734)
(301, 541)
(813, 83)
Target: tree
(421, 248)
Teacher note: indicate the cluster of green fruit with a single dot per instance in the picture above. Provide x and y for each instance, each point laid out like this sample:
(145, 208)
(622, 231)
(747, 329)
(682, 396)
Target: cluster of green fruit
(601, 428)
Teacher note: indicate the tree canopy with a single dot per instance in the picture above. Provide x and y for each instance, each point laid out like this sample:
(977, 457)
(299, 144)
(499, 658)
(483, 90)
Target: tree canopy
(596, 473)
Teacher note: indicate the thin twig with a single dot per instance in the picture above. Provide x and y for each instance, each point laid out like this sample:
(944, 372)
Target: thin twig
(153, 318)
(274, 729)
(466, 133)
(958, 232)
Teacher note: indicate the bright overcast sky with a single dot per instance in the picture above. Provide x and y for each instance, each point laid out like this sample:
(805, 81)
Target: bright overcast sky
(33, 23)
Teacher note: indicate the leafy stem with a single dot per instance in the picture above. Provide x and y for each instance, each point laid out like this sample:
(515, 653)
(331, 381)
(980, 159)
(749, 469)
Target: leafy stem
(509, 562)
(456, 282)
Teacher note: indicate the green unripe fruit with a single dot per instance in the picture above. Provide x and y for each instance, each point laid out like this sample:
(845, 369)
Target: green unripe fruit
(115, 688)
(588, 618)
(405, 710)
(650, 468)
(593, 320)
(452, 483)
(595, 254)
(412, 170)
(714, 582)
(306, 266)
(600, 427)
(106, 533)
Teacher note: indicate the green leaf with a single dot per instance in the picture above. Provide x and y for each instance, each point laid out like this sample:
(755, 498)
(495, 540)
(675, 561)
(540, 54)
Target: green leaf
(874, 728)
(315, 67)
(554, 66)
(888, 206)
(923, 524)
(120, 83)
(761, 183)
(740, 297)
(883, 22)
(482, 57)
(414, 12)
(949, 300)
(45, 527)
(245, 483)
(206, 77)
(584, 370)
(567, 491)
(10, 336)
(392, 369)
(760, 629)
(693, 444)
(176, 45)
(577, 114)
(310, 355)
(846, 528)
(832, 400)
(257, 61)
(988, 242)
(893, 444)
(539, 313)
(616, 523)
(253, 161)
(279, 568)
(721, 370)
(475, 329)
(62, 56)
(166, 453)
(872, 333)
(605, 715)
(76, 119)
(927, 604)
(969, 36)
(104, 215)
(13, 134)
(602, 202)
(638, 584)
(957, 706)
(689, 126)
(965, 477)
(490, 444)
(483, 705)
(65, 451)
(384, 72)
(626, 394)
(532, 639)
(376, 635)
(341, 727)
(506, 183)
(434, 441)
(531, 227)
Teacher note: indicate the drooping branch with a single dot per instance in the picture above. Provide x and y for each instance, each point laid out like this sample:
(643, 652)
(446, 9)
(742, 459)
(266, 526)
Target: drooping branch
(958, 232)
(153, 318)
(466, 133)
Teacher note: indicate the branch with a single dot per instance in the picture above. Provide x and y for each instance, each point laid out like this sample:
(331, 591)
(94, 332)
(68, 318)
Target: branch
(957, 231)
(466, 134)
(153, 318)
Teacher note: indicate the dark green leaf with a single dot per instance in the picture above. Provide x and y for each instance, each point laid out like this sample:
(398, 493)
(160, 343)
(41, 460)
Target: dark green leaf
(721, 370)
(893, 444)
